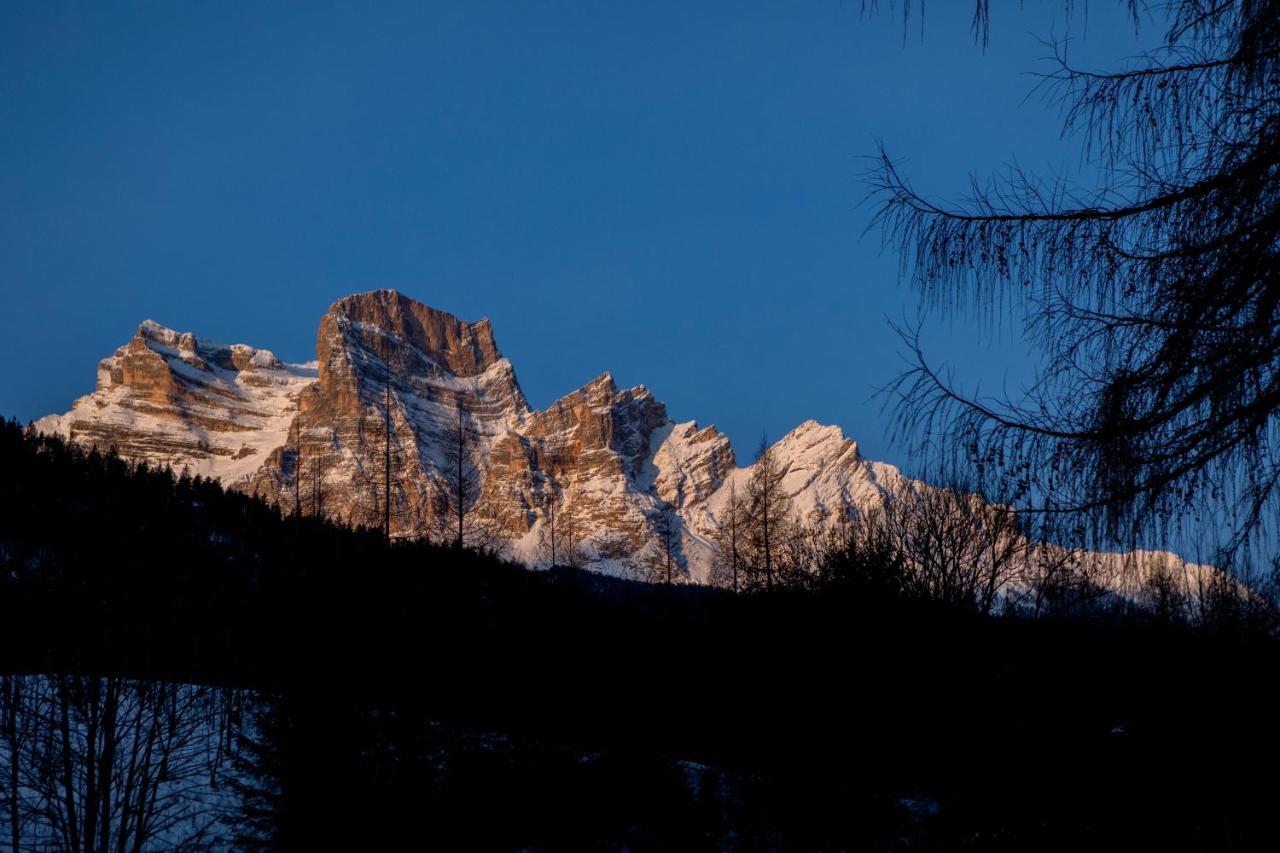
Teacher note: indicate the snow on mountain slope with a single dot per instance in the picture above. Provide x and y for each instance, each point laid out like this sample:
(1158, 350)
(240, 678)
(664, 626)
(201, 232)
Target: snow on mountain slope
(174, 399)
(610, 461)
(434, 364)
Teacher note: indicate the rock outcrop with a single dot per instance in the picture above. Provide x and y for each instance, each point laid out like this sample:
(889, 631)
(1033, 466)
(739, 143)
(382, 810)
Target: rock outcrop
(175, 399)
(390, 366)
(604, 469)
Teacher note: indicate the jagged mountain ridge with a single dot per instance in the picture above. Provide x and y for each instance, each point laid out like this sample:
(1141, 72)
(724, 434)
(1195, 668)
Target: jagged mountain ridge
(189, 402)
(613, 454)
(314, 434)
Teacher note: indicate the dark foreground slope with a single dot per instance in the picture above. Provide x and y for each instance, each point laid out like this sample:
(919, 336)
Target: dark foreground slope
(850, 720)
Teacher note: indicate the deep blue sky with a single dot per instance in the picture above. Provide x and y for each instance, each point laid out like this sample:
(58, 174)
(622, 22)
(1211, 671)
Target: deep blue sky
(665, 190)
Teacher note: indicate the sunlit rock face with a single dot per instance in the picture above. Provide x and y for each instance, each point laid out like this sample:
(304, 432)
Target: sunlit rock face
(587, 452)
(608, 463)
(388, 364)
(313, 436)
(174, 399)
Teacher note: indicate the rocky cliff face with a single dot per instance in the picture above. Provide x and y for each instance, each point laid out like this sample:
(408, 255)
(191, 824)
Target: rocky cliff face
(178, 400)
(388, 365)
(604, 469)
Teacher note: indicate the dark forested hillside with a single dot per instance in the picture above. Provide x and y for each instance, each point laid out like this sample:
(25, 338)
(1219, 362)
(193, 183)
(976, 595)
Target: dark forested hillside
(855, 715)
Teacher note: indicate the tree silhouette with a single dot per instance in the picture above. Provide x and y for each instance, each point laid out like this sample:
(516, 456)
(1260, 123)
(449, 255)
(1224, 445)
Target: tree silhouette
(107, 763)
(180, 579)
(658, 561)
(728, 556)
(297, 480)
(462, 477)
(383, 460)
(957, 548)
(668, 531)
(465, 516)
(386, 456)
(768, 510)
(1154, 296)
(559, 539)
(864, 559)
(319, 491)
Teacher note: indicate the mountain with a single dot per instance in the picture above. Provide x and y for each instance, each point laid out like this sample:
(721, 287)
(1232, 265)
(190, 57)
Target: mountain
(391, 379)
(188, 402)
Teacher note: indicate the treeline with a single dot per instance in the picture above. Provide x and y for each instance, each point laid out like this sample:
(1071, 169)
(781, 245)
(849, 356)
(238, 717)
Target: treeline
(113, 564)
(855, 691)
(950, 546)
(108, 763)
(942, 544)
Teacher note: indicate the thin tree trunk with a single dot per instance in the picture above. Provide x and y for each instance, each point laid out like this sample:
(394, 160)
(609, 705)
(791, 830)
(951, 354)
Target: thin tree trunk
(68, 769)
(13, 696)
(297, 482)
(106, 762)
(667, 540)
(768, 553)
(733, 532)
(461, 485)
(91, 796)
(386, 456)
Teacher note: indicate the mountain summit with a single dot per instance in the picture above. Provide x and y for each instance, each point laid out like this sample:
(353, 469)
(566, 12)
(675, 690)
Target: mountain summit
(609, 460)
(404, 401)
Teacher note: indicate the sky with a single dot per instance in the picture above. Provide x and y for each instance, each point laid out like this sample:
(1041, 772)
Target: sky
(668, 191)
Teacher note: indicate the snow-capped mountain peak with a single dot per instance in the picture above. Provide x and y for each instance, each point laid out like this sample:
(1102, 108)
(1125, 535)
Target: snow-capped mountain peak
(604, 469)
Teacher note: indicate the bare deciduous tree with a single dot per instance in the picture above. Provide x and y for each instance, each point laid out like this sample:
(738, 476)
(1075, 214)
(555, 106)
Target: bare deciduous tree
(1154, 296)
(297, 480)
(319, 490)
(384, 497)
(768, 511)
(728, 557)
(862, 557)
(465, 516)
(560, 541)
(99, 763)
(658, 560)
(956, 547)
(461, 475)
